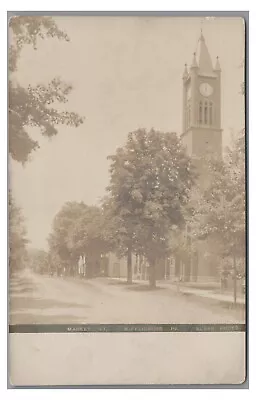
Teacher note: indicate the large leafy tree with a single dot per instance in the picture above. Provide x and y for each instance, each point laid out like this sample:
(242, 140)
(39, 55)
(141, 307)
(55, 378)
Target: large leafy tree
(121, 236)
(34, 106)
(150, 182)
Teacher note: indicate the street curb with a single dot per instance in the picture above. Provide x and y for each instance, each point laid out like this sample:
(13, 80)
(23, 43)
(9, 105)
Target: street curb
(220, 302)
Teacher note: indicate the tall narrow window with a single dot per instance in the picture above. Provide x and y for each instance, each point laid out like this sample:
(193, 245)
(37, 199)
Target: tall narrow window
(206, 113)
(189, 115)
(200, 113)
(210, 114)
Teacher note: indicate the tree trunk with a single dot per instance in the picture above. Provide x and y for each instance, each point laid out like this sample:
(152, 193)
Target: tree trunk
(129, 265)
(152, 274)
(235, 281)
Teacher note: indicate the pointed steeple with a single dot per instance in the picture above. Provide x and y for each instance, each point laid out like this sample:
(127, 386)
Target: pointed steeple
(205, 62)
(185, 73)
(217, 65)
(194, 62)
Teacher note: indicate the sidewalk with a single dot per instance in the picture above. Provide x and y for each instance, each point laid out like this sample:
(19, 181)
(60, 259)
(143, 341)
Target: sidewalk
(211, 294)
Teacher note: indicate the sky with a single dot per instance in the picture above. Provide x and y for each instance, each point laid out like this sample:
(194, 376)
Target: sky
(126, 73)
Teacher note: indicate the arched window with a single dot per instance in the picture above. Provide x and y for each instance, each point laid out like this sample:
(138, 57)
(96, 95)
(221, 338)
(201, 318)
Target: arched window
(200, 113)
(206, 113)
(211, 114)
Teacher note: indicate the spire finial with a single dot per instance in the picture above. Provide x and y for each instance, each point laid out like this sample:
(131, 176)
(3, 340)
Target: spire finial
(185, 73)
(201, 29)
(217, 65)
(194, 62)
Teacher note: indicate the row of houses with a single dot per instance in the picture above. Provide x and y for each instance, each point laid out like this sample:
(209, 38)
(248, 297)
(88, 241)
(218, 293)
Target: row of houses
(203, 268)
(168, 268)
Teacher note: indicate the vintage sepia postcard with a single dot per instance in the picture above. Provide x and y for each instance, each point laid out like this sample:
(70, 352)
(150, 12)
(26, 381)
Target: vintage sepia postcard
(127, 219)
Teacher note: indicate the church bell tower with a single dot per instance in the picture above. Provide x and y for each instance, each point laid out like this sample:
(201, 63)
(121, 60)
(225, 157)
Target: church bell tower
(202, 136)
(202, 131)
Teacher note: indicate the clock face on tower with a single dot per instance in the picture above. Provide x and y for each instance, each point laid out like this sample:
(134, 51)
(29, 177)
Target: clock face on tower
(206, 89)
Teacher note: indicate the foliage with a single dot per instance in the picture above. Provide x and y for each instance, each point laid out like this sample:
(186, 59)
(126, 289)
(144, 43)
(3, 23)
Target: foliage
(17, 237)
(151, 178)
(221, 210)
(34, 106)
(87, 234)
(77, 229)
(38, 260)
(58, 239)
(26, 30)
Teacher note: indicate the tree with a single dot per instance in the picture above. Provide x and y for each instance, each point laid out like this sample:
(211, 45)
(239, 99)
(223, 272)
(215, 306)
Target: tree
(121, 237)
(17, 237)
(59, 250)
(38, 260)
(78, 229)
(86, 236)
(220, 214)
(150, 182)
(34, 106)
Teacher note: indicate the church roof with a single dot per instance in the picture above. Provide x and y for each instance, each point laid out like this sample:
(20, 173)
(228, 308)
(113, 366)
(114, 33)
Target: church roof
(205, 62)
(202, 61)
